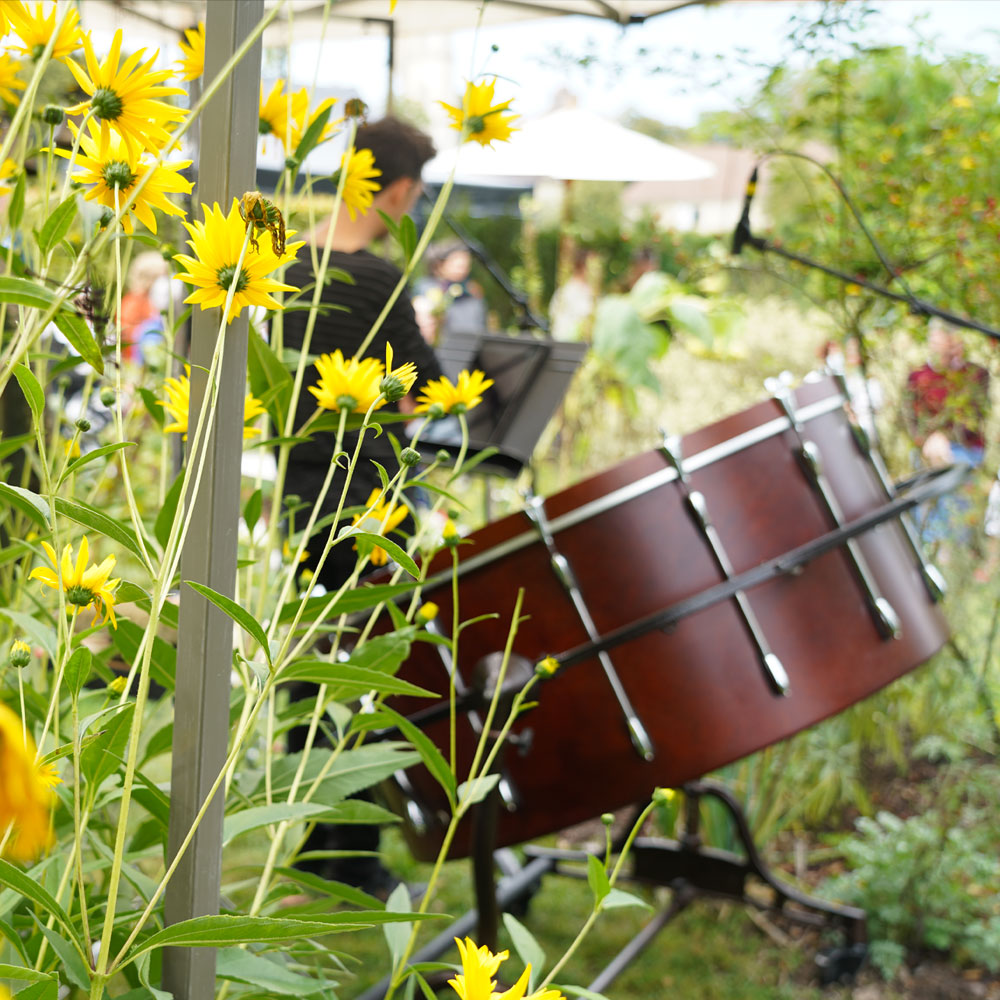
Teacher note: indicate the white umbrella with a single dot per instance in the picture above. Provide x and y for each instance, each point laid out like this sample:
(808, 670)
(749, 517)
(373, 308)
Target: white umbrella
(571, 144)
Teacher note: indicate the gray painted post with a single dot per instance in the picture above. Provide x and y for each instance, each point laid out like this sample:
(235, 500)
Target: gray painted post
(226, 168)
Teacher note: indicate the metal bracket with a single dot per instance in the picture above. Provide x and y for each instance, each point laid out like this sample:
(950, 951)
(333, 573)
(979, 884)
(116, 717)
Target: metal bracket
(535, 512)
(883, 613)
(697, 506)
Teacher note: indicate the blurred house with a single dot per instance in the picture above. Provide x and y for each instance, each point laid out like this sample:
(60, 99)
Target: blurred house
(710, 205)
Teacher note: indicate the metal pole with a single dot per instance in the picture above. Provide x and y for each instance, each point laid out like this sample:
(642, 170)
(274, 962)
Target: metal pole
(226, 168)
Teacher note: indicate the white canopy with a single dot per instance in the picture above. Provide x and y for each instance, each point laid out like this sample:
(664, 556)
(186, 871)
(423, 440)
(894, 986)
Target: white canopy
(571, 144)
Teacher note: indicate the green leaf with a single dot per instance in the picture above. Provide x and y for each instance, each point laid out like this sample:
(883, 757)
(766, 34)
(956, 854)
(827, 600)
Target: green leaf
(390, 224)
(617, 897)
(21, 973)
(28, 503)
(69, 958)
(92, 456)
(387, 545)
(408, 237)
(32, 390)
(431, 756)
(153, 406)
(311, 136)
(163, 659)
(243, 618)
(25, 292)
(78, 669)
(267, 373)
(528, 949)
(258, 816)
(74, 328)
(10, 445)
(251, 512)
(218, 931)
(165, 515)
(470, 792)
(40, 991)
(384, 652)
(102, 758)
(397, 935)
(91, 517)
(57, 225)
(579, 991)
(22, 883)
(15, 209)
(244, 966)
(354, 600)
(347, 681)
(597, 877)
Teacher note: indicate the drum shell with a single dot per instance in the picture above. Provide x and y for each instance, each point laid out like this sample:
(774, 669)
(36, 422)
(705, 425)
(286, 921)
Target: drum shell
(699, 689)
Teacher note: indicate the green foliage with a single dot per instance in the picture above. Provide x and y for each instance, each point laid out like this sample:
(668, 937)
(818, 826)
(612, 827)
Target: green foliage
(925, 882)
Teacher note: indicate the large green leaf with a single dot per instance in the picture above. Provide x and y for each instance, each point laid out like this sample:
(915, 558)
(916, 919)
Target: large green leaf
(32, 390)
(93, 456)
(31, 504)
(347, 681)
(75, 329)
(269, 378)
(57, 225)
(72, 964)
(243, 618)
(432, 757)
(165, 516)
(384, 652)
(78, 668)
(365, 540)
(312, 135)
(22, 883)
(528, 949)
(258, 816)
(102, 758)
(92, 517)
(25, 292)
(265, 974)
(366, 596)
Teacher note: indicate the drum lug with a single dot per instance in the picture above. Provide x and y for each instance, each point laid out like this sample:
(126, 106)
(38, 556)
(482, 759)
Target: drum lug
(883, 614)
(698, 506)
(535, 512)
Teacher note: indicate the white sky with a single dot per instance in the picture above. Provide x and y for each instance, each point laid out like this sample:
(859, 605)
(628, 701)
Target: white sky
(679, 40)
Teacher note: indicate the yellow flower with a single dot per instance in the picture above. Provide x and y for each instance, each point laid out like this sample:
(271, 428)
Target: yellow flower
(216, 243)
(9, 80)
(427, 612)
(479, 119)
(439, 396)
(359, 188)
(48, 775)
(178, 404)
(7, 169)
(192, 62)
(279, 111)
(126, 97)
(104, 162)
(25, 796)
(380, 519)
(397, 381)
(961, 101)
(118, 685)
(35, 30)
(967, 162)
(72, 448)
(547, 667)
(479, 966)
(352, 384)
(286, 553)
(83, 585)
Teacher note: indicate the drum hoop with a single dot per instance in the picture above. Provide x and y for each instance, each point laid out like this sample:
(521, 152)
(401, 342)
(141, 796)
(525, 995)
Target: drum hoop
(692, 463)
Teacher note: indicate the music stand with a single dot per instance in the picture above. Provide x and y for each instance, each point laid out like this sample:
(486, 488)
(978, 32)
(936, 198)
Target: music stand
(530, 378)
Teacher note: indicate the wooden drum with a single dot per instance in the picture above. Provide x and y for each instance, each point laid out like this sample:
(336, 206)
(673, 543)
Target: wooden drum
(720, 684)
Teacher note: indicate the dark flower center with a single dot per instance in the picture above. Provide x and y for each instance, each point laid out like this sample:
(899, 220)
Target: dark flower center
(117, 173)
(227, 274)
(107, 104)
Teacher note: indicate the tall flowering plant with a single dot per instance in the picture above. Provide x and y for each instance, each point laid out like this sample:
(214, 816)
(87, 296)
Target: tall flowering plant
(93, 519)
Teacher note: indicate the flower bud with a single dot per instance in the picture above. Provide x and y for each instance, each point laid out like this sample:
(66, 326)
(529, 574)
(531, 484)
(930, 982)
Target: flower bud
(443, 455)
(291, 499)
(117, 686)
(108, 396)
(292, 162)
(547, 667)
(20, 654)
(393, 388)
(435, 411)
(355, 108)
(53, 115)
(661, 796)
(427, 612)
(107, 216)
(450, 535)
(83, 425)
(608, 819)
(409, 457)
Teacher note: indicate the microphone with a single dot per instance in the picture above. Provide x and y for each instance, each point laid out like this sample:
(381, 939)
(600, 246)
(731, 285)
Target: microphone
(742, 235)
